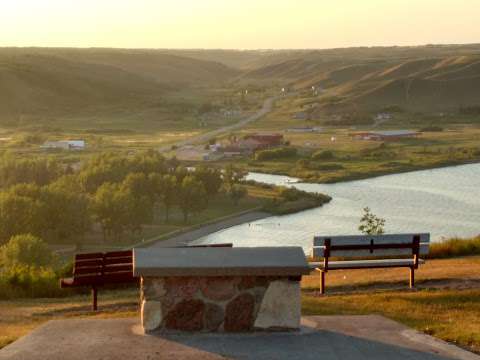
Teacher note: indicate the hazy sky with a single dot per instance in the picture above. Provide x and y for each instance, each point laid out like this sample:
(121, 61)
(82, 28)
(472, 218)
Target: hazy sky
(245, 24)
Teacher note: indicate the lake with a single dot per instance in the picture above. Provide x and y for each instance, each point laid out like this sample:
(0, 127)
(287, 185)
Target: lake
(444, 202)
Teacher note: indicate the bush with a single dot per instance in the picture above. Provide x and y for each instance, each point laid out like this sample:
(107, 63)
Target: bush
(26, 250)
(28, 281)
(272, 154)
(323, 155)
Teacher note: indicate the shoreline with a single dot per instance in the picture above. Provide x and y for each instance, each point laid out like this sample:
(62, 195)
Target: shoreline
(187, 236)
(346, 179)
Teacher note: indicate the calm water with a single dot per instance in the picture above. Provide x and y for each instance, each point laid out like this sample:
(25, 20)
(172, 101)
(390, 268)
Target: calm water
(444, 202)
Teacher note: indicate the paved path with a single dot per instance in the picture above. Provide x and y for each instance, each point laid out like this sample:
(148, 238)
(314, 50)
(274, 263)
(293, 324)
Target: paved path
(266, 108)
(326, 338)
(188, 237)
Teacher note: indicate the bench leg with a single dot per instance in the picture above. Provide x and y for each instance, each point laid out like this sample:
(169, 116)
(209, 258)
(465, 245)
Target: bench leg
(94, 298)
(412, 277)
(322, 282)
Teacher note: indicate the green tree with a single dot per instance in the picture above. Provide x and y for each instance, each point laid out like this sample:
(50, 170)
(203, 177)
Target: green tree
(211, 180)
(237, 193)
(142, 200)
(192, 197)
(231, 176)
(18, 215)
(165, 190)
(370, 224)
(111, 208)
(26, 249)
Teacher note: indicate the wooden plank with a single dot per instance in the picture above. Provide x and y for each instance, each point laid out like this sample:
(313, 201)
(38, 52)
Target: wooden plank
(118, 268)
(365, 264)
(114, 254)
(87, 270)
(319, 252)
(119, 261)
(365, 239)
(88, 263)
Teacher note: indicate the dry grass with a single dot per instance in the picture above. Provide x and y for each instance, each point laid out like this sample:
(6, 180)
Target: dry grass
(446, 302)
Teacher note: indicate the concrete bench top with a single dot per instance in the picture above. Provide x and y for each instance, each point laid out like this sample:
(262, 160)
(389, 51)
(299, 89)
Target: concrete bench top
(260, 261)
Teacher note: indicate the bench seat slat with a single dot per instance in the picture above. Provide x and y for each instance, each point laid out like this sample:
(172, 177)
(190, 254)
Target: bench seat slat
(360, 264)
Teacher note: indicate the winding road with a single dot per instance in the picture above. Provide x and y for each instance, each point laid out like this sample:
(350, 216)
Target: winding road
(205, 137)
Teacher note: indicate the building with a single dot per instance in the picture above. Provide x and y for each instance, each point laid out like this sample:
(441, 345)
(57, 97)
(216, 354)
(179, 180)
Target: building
(265, 141)
(304, 129)
(301, 116)
(390, 135)
(65, 145)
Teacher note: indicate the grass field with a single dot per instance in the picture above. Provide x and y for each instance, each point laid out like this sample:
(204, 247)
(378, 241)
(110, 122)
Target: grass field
(445, 304)
(357, 159)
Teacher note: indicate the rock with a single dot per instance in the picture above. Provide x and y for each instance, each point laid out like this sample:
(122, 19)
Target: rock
(214, 316)
(187, 315)
(151, 315)
(280, 308)
(153, 288)
(219, 288)
(240, 313)
(181, 287)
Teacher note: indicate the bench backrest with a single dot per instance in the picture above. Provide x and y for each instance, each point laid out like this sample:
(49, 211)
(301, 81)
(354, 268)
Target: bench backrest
(109, 267)
(358, 246)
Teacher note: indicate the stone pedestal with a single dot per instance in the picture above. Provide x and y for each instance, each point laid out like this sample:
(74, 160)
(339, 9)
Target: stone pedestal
(220, 289)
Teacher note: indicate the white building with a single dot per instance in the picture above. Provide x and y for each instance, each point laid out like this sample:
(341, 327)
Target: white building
(65, 145)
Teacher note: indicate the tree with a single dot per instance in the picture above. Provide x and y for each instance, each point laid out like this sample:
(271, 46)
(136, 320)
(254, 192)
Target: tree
(370, 224)
(211, 180)
(142, 200)
(231, 176)
(164, 189)
(111, 209)
(26, 249)
(237, 193)
(19, 214)
(192, 197)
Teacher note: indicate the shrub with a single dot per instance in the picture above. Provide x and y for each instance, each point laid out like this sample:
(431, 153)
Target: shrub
(28, 281)
(26, 250)
(323, 155)
(272, 154)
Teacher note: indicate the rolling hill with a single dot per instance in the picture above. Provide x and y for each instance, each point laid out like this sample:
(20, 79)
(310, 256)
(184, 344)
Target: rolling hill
(56, 82)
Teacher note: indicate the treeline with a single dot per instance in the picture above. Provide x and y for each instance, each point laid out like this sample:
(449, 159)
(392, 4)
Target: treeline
(115, 192)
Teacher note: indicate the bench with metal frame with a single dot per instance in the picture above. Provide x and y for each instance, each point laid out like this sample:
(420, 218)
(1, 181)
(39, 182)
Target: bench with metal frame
(377, 251)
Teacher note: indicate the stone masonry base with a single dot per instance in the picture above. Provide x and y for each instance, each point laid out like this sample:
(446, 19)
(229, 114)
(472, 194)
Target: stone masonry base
(220, 304)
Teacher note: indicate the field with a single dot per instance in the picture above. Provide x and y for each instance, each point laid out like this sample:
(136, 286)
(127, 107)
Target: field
(452, 140)
(444, 305)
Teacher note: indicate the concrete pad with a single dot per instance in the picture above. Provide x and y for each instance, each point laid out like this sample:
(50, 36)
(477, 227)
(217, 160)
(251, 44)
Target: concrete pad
(260, 261)
(333, 337)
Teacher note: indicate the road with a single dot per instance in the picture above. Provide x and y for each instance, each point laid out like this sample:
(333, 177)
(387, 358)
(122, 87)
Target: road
(205, 137)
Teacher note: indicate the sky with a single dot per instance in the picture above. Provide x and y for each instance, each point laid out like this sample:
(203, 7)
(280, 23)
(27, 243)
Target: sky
(237, 24)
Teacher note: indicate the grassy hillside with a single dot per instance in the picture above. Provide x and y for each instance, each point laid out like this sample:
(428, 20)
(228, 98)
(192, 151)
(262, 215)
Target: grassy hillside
(38, 86)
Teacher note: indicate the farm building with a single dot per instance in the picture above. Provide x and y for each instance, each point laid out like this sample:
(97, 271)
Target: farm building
(266, 140)
(390, 135)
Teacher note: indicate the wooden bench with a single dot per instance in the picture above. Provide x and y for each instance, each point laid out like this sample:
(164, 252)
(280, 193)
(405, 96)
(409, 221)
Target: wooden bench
(99, 269)
(369, 252)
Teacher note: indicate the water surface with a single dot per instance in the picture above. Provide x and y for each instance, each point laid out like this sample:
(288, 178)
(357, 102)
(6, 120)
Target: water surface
(444, 202)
